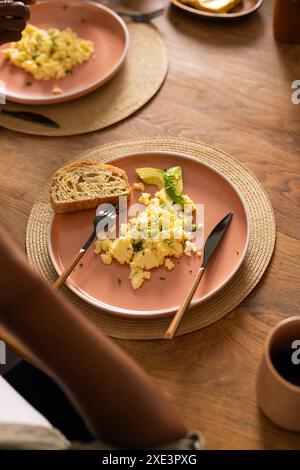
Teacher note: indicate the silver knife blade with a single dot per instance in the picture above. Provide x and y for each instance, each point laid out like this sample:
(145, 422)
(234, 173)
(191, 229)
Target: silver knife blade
(32, 117)
(214, 238)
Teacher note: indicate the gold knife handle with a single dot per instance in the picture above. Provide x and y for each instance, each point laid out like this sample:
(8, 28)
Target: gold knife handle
(62, 278)
(171, 331)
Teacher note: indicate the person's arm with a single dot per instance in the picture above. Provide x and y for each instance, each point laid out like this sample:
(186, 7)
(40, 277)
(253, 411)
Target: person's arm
(116, 398)
(13, 18)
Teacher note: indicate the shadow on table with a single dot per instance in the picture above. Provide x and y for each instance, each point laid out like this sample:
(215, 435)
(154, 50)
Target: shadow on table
(288, 56)
(222, 33)
(270, 434)
(289, 67)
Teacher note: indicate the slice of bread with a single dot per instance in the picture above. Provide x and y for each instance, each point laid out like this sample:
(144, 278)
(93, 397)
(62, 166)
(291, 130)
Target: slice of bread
(85, 185)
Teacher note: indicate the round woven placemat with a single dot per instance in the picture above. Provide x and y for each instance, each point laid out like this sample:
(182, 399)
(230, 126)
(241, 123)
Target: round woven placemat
(135, 84)
(262, 240)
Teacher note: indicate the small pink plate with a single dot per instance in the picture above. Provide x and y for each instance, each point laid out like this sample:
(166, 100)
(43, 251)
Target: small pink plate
(90, 21)
(100, 285)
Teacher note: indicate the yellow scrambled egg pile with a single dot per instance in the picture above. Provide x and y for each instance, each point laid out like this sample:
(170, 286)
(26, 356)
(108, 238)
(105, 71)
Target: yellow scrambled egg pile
(150, 240)
(49, 54)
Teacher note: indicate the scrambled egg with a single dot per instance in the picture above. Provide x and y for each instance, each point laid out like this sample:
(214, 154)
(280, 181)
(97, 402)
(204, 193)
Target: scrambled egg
(49, 54)
(149, 240)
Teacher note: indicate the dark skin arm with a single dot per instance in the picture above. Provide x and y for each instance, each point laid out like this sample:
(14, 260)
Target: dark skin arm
(118, 401)
(13, 19)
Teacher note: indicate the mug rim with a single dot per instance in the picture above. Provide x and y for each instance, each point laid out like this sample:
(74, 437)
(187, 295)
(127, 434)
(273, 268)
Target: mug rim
(285, 382)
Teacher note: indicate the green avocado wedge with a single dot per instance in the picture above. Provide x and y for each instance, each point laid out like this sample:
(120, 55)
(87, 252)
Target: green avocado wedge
(152, 176)
(169, 182)
(174, 184)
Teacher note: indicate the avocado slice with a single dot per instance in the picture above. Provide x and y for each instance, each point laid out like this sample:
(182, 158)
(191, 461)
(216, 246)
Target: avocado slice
(152, 176)
(169, 182)
(174, 184)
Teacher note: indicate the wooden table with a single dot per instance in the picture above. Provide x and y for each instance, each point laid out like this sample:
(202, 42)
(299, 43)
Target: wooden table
(229, 85)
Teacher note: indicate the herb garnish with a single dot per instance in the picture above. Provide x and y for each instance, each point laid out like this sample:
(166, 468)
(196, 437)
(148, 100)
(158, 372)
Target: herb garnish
(138, 246)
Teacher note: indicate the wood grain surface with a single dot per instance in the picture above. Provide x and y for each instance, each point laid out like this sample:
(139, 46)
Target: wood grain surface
(229, 85)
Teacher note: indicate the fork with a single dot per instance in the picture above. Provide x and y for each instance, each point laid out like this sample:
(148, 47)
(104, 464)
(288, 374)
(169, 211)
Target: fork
(112, 215)
(135, 16)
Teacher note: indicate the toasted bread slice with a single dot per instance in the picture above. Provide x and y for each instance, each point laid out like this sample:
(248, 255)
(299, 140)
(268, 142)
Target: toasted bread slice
(85, 185)
(212, 6)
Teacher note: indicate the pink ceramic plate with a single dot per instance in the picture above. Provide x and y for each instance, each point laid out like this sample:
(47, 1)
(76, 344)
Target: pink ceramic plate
(90, 21)
(98, 284)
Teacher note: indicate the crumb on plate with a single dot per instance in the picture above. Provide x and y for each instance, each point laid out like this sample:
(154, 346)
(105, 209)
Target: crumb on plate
(57, 90)
(139, 186)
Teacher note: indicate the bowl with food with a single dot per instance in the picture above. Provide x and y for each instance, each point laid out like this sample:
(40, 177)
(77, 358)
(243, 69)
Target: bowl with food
(68, 50)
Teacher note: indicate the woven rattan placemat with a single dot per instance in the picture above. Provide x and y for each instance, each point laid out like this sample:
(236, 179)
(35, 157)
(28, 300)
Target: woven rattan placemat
(262, 240)
(135, 84)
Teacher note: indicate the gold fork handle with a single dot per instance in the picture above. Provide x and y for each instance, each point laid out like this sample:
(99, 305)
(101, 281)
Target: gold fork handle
(171, 331)
(62, 278)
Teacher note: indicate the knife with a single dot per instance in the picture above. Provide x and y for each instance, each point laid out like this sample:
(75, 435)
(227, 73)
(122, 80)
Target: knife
(32, 117)
(210, 247)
